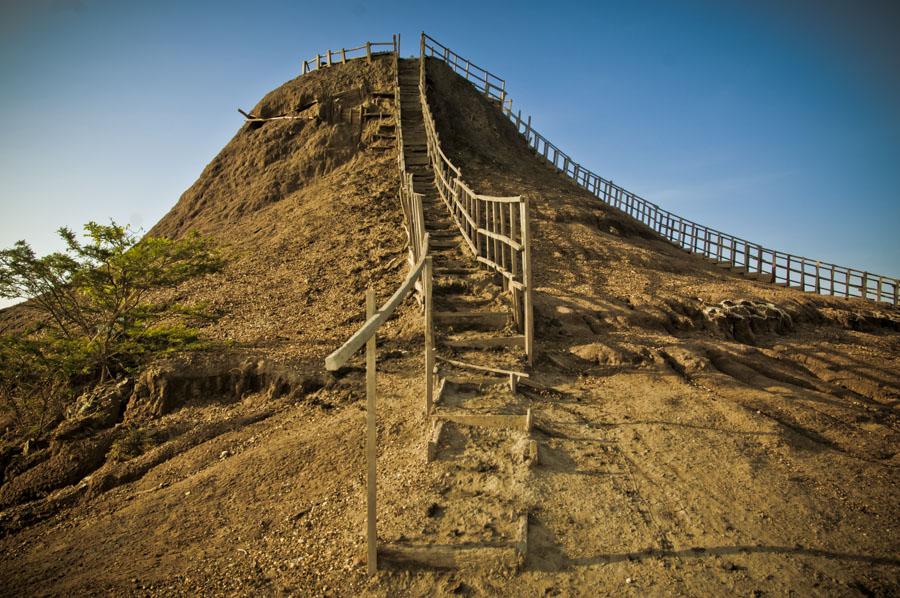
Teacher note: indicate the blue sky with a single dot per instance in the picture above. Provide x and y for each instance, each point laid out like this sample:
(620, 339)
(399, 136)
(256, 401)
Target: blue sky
(775, 121)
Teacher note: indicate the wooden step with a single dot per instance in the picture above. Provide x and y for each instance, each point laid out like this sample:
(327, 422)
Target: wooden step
(495, 318)
(497, 556)
(485, 342)
(504, 421)
(445, 243)
(456, 271)
(439, 233)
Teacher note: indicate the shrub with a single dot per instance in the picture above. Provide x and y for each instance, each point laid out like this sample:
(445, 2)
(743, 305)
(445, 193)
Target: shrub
(103, 314)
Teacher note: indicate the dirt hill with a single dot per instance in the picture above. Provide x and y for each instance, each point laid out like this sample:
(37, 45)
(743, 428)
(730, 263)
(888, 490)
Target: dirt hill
(699, 433)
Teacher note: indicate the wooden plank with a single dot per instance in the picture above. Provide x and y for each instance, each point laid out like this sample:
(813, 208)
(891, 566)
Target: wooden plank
(487, 420)
(486, 342)
(501, 238)
(527, 281)
(497, 317)
(444, 556)
(481, 368)
(512, 281)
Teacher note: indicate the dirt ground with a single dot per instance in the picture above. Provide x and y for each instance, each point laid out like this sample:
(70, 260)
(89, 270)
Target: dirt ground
(699, 433)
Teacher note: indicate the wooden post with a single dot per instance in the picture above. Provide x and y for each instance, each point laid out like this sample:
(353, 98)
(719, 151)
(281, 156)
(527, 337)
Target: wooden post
(343, 56)
(513, 257)
(328, 54)
(818, 287)
(477, 226)
(503, 247)
(495, 228)
(371, 532)
(305, 67)
(318, 61)
(368, 51)
(429, 338)
(422, 61)
(864, 286)
(528, 282)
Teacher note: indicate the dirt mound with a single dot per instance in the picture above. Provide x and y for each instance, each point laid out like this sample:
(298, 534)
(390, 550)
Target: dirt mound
(268, 162)
(675, 457)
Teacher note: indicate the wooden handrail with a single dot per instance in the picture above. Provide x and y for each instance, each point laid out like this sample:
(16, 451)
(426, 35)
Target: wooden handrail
(339, 357)
(486, 80)
(728, 250)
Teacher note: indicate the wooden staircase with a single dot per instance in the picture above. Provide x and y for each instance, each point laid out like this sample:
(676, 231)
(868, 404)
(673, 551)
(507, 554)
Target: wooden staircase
(472, 311)
(479, 447)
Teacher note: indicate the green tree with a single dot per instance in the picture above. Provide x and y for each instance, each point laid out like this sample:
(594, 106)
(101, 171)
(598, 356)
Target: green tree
(104, 312)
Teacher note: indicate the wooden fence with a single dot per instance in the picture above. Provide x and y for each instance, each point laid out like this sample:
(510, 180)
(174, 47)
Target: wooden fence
(496, 229)
(751, 259)
(342, 56)
(490, 84)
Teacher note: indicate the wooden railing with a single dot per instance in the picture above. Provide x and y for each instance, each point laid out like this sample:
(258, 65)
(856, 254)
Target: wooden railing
(367, 50)
(490, 84)
(727, 250)
(496, 229)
